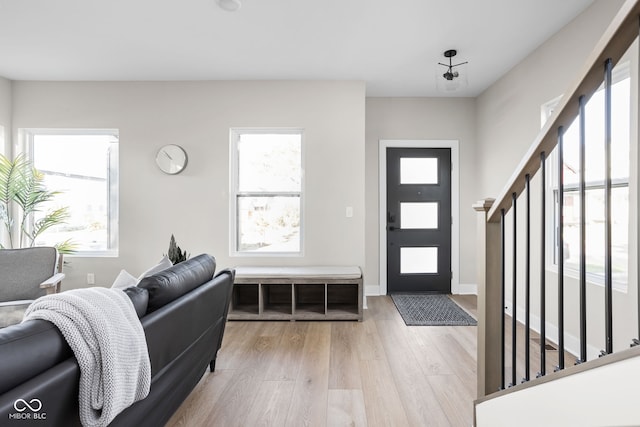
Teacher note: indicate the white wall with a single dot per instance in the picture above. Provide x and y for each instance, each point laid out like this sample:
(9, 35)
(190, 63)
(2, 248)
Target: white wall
(5, 130)
(508, 113)
(5, 115)
(194, 204)
(426, 119)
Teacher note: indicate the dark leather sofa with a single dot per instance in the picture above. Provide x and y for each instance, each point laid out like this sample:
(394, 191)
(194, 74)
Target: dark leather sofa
(183, 312)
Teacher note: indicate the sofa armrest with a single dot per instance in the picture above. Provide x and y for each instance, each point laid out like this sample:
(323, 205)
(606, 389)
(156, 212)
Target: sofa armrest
(52, 284)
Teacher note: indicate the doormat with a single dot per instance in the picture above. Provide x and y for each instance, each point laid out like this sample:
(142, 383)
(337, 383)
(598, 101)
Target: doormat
(431, 310)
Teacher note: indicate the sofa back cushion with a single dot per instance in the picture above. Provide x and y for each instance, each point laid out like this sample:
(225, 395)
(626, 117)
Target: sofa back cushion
(175, 281)
(27, 349)
(140, 299)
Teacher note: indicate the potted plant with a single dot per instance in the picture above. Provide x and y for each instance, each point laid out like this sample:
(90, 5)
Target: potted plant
(176, 254)
(22, 192)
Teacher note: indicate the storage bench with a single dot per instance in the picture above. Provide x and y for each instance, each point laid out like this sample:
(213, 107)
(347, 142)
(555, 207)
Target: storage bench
(297, 293)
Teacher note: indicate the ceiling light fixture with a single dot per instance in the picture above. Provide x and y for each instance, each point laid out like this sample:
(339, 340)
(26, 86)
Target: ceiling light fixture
(451, 74)
(229, 5)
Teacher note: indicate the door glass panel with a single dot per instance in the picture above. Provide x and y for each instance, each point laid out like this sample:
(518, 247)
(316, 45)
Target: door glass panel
(419, 215)
(418, 170)
(418, 260)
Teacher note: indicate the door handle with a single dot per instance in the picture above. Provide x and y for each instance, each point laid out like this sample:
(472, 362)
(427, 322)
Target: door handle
(390, 219)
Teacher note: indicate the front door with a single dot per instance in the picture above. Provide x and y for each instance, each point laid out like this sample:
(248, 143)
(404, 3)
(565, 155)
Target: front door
(419, 220)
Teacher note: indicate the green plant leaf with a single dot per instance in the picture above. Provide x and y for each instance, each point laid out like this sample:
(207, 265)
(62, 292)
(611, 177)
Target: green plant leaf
(52, 218)
(23, 186)
(66, 247)
(12, 175)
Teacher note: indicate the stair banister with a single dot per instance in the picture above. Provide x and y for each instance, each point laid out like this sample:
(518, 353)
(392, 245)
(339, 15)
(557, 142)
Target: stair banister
(490, 321)
(615, 41)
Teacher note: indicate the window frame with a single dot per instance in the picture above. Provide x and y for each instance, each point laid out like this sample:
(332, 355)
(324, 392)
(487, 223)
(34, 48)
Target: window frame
(113, 183)
(234, 173)
(621, 71)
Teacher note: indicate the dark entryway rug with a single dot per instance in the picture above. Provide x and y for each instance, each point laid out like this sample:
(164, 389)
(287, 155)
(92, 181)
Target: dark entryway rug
(431, 310)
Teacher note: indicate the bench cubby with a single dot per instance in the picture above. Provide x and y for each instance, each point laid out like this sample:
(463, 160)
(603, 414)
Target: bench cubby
(245, 300)
(276, 299)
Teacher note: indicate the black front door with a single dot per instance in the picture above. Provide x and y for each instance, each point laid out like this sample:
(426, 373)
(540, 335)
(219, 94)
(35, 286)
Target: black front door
(419, 220)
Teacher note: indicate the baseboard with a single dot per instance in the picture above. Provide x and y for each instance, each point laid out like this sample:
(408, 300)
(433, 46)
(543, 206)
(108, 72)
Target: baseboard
(571, 342)
(461, 289)
(372, 290)
(465, 289)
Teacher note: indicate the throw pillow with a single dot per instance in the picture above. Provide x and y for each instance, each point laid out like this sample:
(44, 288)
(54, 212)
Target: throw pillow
(164, 263)
(124, 280)
(176, 281)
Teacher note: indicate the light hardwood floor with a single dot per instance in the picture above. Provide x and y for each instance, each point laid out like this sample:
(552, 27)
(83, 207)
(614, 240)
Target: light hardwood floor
(377, 372)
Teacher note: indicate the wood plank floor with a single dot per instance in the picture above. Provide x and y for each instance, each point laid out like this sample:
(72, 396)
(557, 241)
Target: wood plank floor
(377, 372)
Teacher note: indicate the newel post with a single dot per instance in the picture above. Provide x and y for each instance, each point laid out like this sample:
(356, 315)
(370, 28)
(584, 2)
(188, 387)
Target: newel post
(490, 301)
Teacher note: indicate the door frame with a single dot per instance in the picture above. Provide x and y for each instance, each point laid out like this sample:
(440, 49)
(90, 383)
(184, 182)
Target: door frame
(455, 202)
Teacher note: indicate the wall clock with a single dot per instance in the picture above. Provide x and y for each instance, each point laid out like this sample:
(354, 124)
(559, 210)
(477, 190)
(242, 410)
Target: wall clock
(171, 159)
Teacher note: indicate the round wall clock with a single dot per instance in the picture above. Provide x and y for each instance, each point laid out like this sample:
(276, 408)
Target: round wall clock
(171, 159)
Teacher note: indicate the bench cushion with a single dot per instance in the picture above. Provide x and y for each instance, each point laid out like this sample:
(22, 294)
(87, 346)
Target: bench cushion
(306, 272)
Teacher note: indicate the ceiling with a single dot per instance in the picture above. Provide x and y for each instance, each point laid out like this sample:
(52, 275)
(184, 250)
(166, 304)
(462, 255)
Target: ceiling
(393, 46)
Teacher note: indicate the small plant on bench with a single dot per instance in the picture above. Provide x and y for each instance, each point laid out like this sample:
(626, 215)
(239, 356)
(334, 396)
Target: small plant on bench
(176, 254)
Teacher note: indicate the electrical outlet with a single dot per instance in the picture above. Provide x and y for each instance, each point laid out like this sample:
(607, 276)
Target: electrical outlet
(349, 212)
(91, 279)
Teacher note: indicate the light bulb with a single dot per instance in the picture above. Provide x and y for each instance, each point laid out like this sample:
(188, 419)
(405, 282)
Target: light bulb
(229, 5)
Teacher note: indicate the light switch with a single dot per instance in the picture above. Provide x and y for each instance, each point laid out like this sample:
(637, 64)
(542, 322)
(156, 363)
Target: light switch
(349, 212)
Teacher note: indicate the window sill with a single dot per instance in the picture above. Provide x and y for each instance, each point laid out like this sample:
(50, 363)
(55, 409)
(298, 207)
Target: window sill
(93, 254)
(591, 279)
(266, 254)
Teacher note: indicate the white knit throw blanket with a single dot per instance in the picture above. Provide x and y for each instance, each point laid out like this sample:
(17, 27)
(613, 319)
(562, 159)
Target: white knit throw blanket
(105, 334)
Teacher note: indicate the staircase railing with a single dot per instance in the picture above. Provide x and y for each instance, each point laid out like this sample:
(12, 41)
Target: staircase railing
(493, 246)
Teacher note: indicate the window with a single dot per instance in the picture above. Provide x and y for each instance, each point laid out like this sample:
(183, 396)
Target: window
(594, 186)
(266, 192)
(82, 165)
